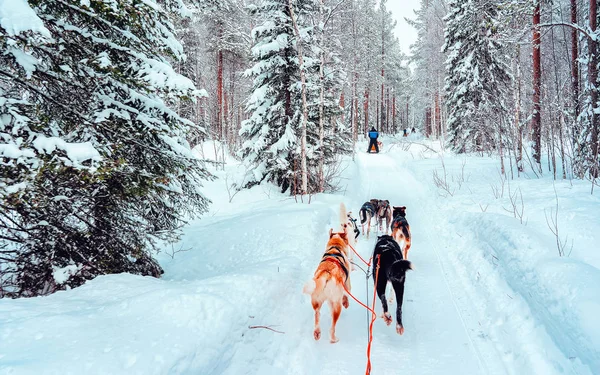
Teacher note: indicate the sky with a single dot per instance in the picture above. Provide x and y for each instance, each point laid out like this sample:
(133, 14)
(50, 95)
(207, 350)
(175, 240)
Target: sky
(406, 34)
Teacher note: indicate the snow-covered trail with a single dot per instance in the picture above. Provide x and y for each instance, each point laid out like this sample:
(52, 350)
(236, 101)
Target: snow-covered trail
(436, 340)
(468, 308)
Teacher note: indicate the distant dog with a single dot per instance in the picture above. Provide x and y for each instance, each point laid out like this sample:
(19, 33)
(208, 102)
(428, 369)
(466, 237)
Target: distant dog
(384, 211)
(328, 283)
(366, 213)
(392, 268)
(401, 230)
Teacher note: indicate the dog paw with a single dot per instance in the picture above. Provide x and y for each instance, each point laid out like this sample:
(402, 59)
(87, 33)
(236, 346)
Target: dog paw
(399, 329)
(387, 317)
(345, 302)
(317, 334)
(334, 340)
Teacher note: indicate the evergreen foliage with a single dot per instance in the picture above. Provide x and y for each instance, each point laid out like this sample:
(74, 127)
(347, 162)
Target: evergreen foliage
(477, 75)
(94, 166)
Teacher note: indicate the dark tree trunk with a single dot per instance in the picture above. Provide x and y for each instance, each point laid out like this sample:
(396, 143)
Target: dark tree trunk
(366, 109)
(536, 121)
(219, 94)
(574, 57)
(593, 82)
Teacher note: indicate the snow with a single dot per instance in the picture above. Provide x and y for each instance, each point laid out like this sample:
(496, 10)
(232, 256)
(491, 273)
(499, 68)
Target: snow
(489, 295)
(24, 59)
(16, 16)
(12, 151)
(62, 274)
(77, 152)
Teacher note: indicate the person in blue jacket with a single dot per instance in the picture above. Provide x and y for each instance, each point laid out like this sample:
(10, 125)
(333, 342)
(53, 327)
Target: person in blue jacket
(373, 135)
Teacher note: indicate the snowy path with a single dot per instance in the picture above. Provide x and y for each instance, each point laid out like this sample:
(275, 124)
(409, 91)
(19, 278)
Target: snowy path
(436, 340)
(469, 307)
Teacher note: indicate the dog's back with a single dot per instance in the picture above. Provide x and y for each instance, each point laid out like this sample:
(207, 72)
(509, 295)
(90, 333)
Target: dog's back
(392, 265)
(368, 210)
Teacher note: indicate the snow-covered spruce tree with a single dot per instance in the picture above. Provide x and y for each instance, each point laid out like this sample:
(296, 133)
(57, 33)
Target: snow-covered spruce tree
(477, 75)
(270, 134)
(94, 166)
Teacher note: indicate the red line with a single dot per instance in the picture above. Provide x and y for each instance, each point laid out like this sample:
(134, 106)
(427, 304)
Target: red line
(372, 319)
(361, 258)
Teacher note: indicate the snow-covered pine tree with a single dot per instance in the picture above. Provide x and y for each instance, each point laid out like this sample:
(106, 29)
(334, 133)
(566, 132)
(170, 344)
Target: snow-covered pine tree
(94, 166)
(476, 75)
(270, 133)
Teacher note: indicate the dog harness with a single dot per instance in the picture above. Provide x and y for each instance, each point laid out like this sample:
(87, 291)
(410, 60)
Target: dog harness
(368, 206)
(399, 221)
(337, 258)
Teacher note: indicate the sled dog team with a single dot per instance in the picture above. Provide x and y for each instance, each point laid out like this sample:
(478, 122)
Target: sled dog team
(332, 277)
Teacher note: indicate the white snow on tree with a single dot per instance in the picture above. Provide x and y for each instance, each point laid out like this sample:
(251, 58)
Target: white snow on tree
(476, 75)
(95, 168)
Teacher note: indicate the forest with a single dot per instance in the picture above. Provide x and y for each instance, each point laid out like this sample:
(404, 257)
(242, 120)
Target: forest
(102, 102)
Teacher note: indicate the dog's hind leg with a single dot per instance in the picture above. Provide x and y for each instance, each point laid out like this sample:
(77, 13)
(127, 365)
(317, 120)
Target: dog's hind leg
(381, 285)
(406, 248)
(317, 307)
(399, 289)
(345, 298)
(336, 310)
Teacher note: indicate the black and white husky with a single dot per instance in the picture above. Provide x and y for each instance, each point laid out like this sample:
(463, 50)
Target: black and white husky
(392, 268)
(367, 212)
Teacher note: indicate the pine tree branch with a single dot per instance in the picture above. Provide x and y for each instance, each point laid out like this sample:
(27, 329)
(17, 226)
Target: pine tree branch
(572, 26)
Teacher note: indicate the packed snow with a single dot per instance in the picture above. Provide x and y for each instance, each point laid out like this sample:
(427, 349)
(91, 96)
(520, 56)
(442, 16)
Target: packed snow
(489, 294)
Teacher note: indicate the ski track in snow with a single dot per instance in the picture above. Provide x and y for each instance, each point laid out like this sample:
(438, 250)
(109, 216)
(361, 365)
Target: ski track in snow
(469, 307)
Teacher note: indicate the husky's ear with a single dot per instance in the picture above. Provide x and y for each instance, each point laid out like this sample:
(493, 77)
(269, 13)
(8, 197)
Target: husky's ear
(343, 235)
(330, 232)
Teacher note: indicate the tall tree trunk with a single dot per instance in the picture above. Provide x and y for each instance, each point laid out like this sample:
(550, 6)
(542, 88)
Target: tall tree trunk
(366, 109)
(303, 166)
(438, 117)
(593, 83)
(536, 121)
(343, 106)
(321, 97)
(388, 107)
(574, 57)
(407, 112)
(518, 130)
(355, 82)
(394, 114)
(382, 69)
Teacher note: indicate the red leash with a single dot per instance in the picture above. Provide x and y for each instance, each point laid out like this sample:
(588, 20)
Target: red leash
(361, 258)
(373, 318)
(371, 310)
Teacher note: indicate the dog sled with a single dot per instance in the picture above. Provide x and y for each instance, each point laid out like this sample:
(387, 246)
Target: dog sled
(379, 144)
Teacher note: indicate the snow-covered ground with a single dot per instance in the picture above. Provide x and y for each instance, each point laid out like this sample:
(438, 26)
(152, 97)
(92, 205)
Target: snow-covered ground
(489, 294)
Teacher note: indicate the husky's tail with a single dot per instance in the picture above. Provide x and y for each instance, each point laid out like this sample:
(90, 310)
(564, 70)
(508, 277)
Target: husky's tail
(399, 268)
(363, 215)
(317, 283)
